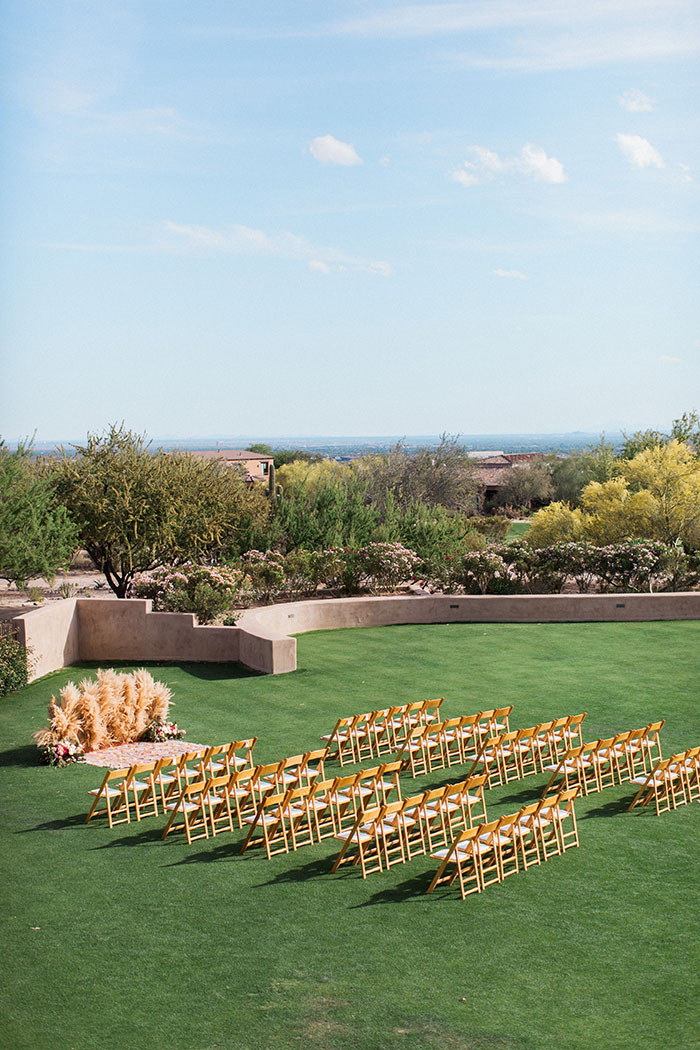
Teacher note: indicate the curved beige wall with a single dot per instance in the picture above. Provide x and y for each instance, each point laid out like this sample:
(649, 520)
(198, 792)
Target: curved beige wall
(107, 629)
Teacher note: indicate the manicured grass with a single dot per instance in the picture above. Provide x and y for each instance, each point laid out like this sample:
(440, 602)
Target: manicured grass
(517, 530)
(116, 940)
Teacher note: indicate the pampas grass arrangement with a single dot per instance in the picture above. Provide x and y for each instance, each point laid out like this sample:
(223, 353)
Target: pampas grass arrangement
(114, 709)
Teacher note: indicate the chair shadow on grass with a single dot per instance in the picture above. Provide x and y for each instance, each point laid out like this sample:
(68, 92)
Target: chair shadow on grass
(609, 809)
(63, 824)
(314, 869)
(408, 890)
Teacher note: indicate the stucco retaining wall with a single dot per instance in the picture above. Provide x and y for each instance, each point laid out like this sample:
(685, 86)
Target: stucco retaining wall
(76, 629)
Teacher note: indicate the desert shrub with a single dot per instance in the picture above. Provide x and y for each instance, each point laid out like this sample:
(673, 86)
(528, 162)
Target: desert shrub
(14, 668)
(201, 589)
(493, 527)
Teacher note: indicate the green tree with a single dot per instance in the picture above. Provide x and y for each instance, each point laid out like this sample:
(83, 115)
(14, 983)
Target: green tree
(37, 536)
(527, 483)
(138, 509)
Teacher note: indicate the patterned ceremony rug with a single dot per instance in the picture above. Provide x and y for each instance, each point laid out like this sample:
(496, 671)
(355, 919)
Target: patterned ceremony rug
(139, 753)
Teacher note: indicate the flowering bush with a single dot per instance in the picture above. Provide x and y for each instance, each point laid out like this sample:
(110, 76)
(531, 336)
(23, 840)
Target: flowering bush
(629, 566)
(201, 589)
(266, 574)
(534, 570)
(386, 565)
(158, 731)
(13, 666)
(60, 753)
(478, 572)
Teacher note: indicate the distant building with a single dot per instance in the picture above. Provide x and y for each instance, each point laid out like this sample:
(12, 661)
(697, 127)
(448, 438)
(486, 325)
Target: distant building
(492, 469)
(255, 466)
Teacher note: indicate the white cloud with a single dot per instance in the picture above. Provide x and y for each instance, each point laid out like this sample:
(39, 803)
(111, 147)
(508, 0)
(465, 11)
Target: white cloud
(328, 150)
(639, 152)
(246, 240)
(540, 34)
(636, 101)
(668, 359)
(517, 275)
(531, 161)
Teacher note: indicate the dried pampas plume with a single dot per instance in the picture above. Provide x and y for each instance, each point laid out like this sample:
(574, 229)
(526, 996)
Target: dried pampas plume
(115, 709)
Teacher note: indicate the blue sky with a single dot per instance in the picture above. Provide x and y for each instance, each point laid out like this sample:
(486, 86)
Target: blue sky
(349, 217)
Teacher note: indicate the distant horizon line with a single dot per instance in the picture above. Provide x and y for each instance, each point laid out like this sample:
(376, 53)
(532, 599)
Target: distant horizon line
(344, 438)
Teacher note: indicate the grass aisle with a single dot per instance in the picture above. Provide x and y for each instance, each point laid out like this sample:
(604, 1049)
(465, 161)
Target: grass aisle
(116, 940)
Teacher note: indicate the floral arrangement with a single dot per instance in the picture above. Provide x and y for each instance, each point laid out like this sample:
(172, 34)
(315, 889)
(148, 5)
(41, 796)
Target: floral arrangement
(57, 753)
(158, 731)
(114, 709)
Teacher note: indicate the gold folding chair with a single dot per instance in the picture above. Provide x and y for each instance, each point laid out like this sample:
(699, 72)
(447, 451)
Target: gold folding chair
(461, 860)
(565, 819)
(341, 738)
(114, 792)
(270, 821)
(361, 844)
(658, 785)
(240, 790)
(190, 807)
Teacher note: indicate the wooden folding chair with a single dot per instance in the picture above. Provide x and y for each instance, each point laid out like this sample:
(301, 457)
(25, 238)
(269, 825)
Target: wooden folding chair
(413, 823)
(270, 821)
(430, 712)
(569, 735)
(565, 819)
(382, 731)
(319, 805)
(406, 719)
(185, 770)
(691, 773)
(487, 760)
(576, 768)
(237, 755)
(661, 785)
(240, 791)
(461, 860)
(268, 779)
(505, 840)
(361, 844)
(114, 792)
(342, 800)
(190, 807)
(452, 744)
(217, 802)
(144, 788)
(341, 738)
(652, 744)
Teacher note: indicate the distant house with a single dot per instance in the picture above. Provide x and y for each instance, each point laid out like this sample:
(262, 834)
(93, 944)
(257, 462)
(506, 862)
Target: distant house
(491, 470)
(255, 466)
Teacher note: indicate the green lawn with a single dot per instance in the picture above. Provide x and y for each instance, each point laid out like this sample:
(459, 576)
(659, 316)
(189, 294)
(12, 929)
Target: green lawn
(115, 940)
(517, 530)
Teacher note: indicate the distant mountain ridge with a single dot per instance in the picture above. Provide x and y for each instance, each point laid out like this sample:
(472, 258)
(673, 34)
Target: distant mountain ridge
(346, 447)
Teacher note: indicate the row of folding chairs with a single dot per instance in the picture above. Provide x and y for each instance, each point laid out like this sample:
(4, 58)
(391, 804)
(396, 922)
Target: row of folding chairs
(513, 755)
(598, 764)
(147, 789)
(453, 742)
(490, 852)
(378, 733)
(672, 782)
(278, 817)
(395, 832)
